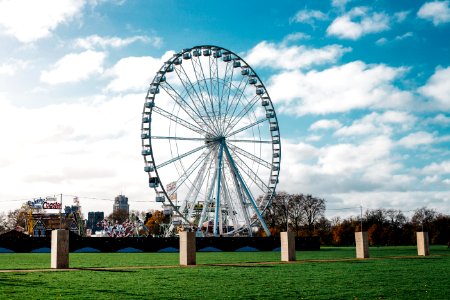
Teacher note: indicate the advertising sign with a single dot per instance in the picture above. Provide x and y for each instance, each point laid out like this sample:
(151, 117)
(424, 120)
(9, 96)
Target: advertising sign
(170, 189)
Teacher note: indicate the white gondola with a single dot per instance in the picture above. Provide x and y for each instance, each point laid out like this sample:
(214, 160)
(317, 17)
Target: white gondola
(226, 58)
(177, 61)
(160, 198)
(275, 168)
(146, 152)
(149, 169)
(252, 80)
(206, 52)
(161, 78)
(270, 114)
(276, 155)
(276, 140)
(217, 54)
(169, 68)
(149, 104)
(154, 90)
(196, 52)
(245, 71)
(146, 120)
(187, 55)
(145, 136)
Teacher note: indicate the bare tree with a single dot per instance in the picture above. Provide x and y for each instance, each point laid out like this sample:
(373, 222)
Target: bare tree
(314, 208)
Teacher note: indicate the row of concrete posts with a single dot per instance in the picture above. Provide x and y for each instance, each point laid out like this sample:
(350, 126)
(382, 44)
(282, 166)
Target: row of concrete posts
(362, 244)
(60, 247)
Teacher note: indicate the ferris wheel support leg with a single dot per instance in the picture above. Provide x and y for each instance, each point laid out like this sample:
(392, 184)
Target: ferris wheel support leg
(219, 176)
(247, 192)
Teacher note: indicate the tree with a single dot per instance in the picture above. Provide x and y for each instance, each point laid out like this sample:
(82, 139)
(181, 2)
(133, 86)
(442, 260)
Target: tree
(314, 208)
(154, 222)
(423, 217)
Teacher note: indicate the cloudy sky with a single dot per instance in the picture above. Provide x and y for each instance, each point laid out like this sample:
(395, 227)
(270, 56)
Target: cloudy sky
(361, 89)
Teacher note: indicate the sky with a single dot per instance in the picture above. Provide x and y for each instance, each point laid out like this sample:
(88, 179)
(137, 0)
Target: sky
(361, 90)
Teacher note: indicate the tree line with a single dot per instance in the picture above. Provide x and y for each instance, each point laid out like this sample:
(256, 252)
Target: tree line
(305, 216)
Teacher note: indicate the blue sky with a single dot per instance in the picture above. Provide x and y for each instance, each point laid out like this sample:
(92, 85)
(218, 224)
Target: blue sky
(361, 89)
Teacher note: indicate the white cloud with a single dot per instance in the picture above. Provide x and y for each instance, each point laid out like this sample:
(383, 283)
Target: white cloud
(281, 56)
(74, 67)
(358, 22)
(94, 41)
(437, 168)
(440, 119)
(10, 67)
(134, 73)
(401, 16)
(376, 123)
(87, 148)
(343, 88)
(339, 3)
(416, 139)
(293, 37)
(437, 11)
(404, 36)
(325, 124)
(29, 21)
(438, 88)
(308, 16)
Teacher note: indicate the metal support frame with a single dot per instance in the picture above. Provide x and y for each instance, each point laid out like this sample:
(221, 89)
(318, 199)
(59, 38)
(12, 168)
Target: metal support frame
(247, 192)
(219, 177)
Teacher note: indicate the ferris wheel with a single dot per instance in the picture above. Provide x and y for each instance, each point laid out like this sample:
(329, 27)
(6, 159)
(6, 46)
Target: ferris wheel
(211, 142)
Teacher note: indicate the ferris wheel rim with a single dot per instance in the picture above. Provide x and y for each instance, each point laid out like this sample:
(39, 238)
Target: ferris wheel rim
(150, 107)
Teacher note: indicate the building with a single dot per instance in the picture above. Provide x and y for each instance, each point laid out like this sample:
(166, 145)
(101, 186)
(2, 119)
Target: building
(94, 217)
(121, 205)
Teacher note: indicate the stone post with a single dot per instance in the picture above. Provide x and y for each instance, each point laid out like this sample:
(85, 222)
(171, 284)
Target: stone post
(287, 246)
(423, 245)
(60, 249)
(187, 248)
(362, 244)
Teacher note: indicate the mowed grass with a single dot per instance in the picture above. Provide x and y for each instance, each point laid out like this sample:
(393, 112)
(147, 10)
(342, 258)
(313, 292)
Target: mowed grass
(331, 273)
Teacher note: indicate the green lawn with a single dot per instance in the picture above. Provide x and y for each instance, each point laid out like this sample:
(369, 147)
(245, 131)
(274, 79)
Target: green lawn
(331, 273)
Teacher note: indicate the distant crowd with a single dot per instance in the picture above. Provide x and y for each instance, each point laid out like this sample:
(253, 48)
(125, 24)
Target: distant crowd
(126, 229)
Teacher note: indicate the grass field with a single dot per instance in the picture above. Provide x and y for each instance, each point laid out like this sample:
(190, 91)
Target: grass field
(331, 273)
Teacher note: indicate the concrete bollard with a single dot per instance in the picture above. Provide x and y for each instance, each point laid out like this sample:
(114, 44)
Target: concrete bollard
(362, 244)
(287, 246)
(187, 248)
(60, 249)
(423, 244)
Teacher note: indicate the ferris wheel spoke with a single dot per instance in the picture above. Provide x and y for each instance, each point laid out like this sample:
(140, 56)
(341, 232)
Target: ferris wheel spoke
(227, 98)
(189, 200)
(250, 141)
(254, 158)
(246, 127)
(176, 138)
(199, 94)
(245, 188)
(185, 82)
(234, 121)
(188, 172)
(227, 197)
(181, 156)
(238, 96)
(178, 120)
(250, 173)
(186, 107)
